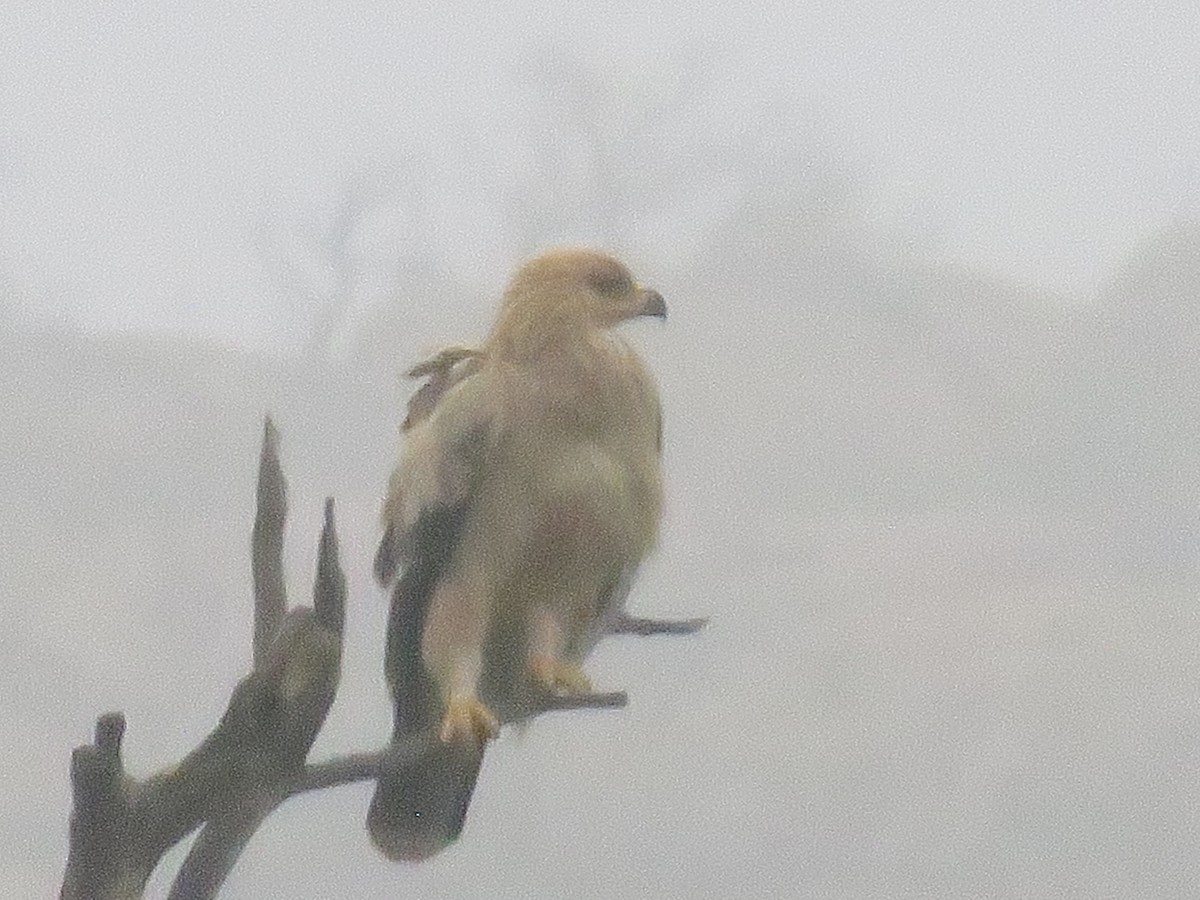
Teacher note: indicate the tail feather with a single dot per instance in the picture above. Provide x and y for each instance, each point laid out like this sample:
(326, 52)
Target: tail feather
(419, 809)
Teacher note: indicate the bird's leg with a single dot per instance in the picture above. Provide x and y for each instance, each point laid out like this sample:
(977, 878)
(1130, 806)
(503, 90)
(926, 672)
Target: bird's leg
(452, 646)
(547, 646)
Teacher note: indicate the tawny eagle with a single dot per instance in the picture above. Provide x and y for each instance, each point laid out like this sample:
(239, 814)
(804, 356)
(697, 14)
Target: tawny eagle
(528, 492)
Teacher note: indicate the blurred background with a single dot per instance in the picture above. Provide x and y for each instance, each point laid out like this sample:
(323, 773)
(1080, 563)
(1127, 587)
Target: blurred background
(931, 387)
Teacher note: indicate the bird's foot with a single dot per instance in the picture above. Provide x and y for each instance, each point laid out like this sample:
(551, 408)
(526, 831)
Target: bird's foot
(468, 719)
(558, 678)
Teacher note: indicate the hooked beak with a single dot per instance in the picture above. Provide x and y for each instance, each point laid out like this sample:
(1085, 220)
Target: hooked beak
(652, 304)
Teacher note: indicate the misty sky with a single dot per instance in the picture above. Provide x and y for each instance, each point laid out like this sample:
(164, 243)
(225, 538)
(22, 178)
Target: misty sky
(141, 151)
(930, 387)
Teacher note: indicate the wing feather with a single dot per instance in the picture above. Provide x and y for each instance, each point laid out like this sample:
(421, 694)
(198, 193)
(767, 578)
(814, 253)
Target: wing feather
(443, 460)
(419, 808)
(442, 372)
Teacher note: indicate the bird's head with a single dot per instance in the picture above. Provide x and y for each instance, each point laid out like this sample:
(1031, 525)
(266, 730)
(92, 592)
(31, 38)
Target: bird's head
(572, 292)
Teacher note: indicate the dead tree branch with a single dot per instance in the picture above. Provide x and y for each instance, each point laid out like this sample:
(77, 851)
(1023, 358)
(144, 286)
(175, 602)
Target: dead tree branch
(647, 627)
(266, 541)
(255, 758)
(120, 826)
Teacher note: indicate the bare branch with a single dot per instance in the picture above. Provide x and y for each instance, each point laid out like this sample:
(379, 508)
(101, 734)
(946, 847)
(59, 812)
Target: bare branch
(121, 827)
(406, 751)
(255, 758)
(266, 541)
(608, 700)
(646, 627)
(354, 767)
(222, 840)
(217, 849)
(96, 867)
(329, 589)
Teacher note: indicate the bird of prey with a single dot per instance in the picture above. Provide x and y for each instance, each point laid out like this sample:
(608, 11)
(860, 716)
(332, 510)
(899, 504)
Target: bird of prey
(527, 494)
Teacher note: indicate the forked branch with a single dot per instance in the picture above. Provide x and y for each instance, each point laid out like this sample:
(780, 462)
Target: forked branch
(255, 758)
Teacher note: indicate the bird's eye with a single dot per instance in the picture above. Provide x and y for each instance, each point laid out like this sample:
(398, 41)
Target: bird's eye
(611, 280)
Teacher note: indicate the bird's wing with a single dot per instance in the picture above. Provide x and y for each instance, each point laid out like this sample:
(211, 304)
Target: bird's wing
(429, 497)
(418, 809)
(447, 430)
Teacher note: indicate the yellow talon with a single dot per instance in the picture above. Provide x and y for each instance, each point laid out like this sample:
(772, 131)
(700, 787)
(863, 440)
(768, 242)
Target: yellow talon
(559, 678)
(467, 719)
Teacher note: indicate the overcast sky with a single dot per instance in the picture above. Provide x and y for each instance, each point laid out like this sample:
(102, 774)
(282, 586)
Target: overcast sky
(142, 149)
(932, 470)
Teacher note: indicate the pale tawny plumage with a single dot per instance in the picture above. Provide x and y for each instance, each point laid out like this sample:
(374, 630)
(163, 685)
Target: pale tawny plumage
(528, 492)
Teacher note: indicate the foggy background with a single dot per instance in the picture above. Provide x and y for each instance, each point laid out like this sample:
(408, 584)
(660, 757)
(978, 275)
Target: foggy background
(931, 388)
